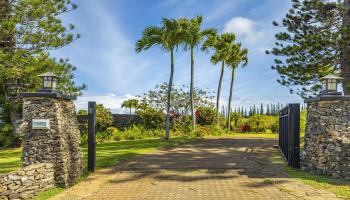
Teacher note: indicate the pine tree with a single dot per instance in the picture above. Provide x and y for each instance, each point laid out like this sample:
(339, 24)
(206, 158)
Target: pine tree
(261, 109)
(317, 42)
(28, 32)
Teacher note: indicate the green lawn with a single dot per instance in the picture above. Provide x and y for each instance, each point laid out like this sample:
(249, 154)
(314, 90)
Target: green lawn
(106, 154)
(338, 186)
(10, 160)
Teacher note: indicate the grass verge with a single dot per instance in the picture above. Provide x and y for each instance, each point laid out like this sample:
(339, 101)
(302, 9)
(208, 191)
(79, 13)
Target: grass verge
(339, 187)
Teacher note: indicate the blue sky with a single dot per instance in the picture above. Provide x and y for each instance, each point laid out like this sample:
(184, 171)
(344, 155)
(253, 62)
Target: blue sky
(108, 64)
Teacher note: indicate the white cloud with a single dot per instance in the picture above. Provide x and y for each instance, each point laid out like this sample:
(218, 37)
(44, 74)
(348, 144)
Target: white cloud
(245, 29)
(109, 100)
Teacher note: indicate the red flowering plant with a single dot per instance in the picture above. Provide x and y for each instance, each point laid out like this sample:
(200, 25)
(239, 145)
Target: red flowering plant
(246, 128)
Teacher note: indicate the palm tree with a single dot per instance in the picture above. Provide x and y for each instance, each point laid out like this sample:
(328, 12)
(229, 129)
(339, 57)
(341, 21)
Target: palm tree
(168, 36)
(220, 44)
(193, 37)
(237, 56)
(130, 103)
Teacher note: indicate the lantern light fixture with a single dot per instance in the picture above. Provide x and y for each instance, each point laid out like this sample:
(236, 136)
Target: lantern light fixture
(330, 85)
(49, 81)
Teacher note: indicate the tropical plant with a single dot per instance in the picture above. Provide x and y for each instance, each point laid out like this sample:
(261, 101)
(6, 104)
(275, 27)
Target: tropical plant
(257, 121)
(220, 45)
(168, 36)
(236, 56)
(205, 115)
(152, 118)
(104, 118)
(237, 117)
(131, 104)
(193, 37)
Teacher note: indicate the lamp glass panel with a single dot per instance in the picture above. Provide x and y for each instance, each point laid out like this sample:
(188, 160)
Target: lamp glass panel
(332, 85)
(47, 82)
(54, 83)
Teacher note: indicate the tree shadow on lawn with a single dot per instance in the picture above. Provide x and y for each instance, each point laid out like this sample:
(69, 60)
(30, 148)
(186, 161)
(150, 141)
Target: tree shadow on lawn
(218, 158)
(108, 154)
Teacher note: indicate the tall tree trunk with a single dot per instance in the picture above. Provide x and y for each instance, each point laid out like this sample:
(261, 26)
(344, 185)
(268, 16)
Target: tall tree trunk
(167, 131)
(345, 53)
(218, 93)
(229, 100)
(191, 90)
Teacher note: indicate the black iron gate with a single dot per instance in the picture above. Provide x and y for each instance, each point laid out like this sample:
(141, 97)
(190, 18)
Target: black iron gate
(289, 134)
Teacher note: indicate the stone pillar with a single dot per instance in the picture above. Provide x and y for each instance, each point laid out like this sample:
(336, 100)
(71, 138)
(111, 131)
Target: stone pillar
(327, 136)
(58, 144)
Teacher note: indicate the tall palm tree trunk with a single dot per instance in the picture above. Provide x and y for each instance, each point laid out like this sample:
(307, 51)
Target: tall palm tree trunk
(229, 100)
(219, 91)
(345, 52)
(191, 90)
(167, 132)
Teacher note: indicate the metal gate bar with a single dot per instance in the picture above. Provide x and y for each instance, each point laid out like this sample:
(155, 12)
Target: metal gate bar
(289, 134)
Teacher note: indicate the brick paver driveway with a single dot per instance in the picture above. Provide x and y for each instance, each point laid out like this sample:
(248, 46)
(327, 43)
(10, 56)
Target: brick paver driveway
(217, 169)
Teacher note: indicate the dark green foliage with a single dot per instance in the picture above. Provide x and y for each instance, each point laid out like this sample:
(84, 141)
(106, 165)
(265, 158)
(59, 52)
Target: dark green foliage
(152, 118)
(205, 115)
(29, 29)
(104, 118)
(182, 124)
(310, 46)
(5, 135)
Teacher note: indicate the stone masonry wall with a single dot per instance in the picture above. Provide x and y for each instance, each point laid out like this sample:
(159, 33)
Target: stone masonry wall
(27, 182)
(120, 121)
(327, 138)
(59, 144)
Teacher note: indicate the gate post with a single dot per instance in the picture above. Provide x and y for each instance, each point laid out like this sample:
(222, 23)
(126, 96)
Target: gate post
(91, 136)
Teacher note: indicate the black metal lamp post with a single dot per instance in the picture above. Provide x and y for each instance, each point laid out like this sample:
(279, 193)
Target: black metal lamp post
(330, 85)
(49, 82)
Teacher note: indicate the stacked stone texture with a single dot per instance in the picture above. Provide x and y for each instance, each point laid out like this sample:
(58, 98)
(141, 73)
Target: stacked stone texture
(327, 138)
(27, 182)
(59, 144)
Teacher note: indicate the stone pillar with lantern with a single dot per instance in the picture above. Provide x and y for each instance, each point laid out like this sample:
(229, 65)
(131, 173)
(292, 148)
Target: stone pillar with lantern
(51, 131)
(327, 133)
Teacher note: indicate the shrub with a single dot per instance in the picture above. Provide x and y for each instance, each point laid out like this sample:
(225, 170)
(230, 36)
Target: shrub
(201, 131)
(274, 127)
(104, 118)
(216, 130)
(5, 135)
(152, 118)
(113, 133)
(246, 128)
(182, 124)
(205, 116)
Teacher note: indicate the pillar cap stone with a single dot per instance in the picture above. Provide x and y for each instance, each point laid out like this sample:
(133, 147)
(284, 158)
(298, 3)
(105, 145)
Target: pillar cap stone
(328, 98)
(52, 94)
